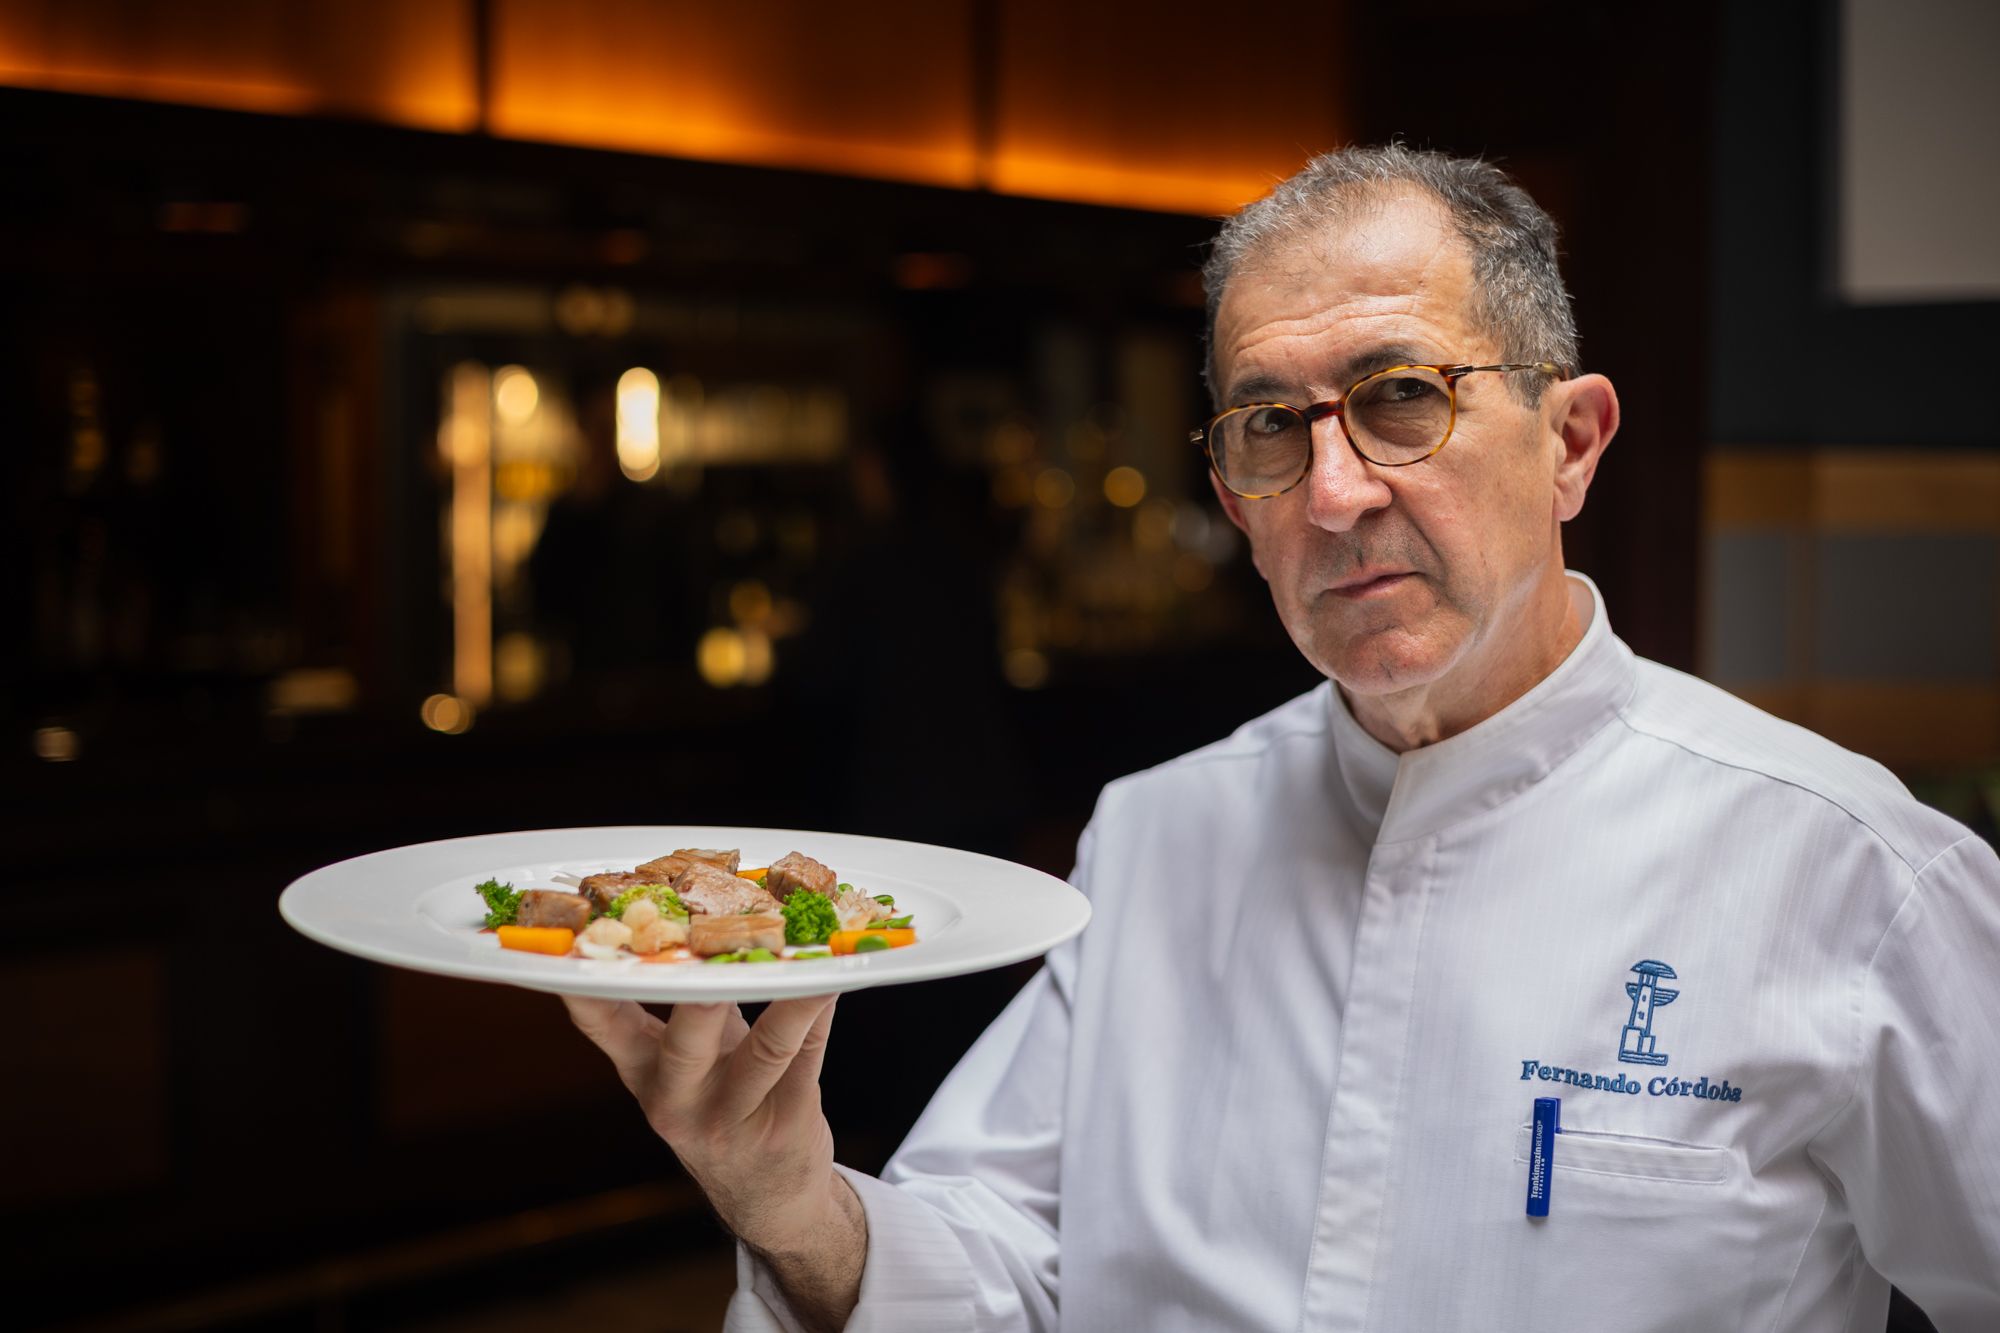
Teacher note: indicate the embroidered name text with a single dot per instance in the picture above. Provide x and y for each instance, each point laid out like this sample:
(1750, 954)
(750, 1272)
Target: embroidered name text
(1658, 1086)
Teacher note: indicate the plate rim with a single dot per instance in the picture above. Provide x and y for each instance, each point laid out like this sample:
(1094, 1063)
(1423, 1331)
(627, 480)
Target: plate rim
(296, 902)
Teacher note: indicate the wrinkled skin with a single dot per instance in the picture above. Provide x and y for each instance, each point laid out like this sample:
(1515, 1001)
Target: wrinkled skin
(739, 1105)
(1471, 608)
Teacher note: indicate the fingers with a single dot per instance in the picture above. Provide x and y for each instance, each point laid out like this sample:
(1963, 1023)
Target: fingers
(776, 1041)
(620, 1028)
(705, 1068)
(681, 1052)
(695, 1037)
(802, 1078)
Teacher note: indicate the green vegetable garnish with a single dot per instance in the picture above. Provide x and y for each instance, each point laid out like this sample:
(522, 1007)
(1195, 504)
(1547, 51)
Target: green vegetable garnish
(746, 956)
(843, 888)
(812, 953)
(870, 944)
(893, 923)
(503, 902)
(764, 880)
(886, 899)
(669, 902)
(809, 917)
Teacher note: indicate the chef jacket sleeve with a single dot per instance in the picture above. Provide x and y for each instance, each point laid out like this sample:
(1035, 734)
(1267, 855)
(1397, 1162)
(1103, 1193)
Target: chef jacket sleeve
(1917, 1148)
(962, 1224)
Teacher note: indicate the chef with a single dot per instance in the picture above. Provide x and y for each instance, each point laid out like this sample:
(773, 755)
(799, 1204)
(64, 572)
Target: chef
(1499, 916)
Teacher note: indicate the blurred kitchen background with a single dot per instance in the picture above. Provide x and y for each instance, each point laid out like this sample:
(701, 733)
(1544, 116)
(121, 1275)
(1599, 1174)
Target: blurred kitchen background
(433, 417)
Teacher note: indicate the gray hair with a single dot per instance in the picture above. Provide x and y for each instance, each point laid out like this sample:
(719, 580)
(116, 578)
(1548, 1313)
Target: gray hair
(1521, 298)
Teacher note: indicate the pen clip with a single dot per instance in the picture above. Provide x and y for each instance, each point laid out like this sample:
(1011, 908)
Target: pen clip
(1542, 1154)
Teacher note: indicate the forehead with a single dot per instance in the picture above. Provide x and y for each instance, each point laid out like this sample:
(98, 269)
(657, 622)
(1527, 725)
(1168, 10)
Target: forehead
(1303, 310)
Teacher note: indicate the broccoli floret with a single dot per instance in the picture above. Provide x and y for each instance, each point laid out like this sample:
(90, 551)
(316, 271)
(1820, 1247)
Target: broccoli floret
(809, 917)
(669, 902)
(503, 902)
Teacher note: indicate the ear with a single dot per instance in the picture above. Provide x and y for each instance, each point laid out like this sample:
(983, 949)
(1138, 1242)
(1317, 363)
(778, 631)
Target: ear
(1232, 505)
(1586, 417)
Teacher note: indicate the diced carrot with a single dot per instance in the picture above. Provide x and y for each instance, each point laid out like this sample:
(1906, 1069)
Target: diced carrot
(843, 941)
(758, 873)
(554, 940)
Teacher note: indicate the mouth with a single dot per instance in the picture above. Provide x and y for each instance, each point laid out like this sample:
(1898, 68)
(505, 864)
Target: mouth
(1371, 583)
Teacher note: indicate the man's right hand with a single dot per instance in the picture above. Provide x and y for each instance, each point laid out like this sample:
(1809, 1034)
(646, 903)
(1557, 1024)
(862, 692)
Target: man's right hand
(739, 1105)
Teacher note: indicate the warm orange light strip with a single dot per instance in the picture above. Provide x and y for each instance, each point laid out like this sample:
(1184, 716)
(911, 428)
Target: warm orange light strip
(415, 110)
(231, 95)
(882, 92)
(713, 137)
(601, 95)
(408, 62)
(1170, 187)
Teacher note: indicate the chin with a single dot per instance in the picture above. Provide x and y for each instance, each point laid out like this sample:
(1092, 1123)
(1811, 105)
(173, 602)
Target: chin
(1383, 663)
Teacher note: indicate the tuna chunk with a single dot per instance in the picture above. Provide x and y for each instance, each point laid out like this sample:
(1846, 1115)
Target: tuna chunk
(726, 934)
(730, 860)
(666, 867)
(708, 891)
(602, 889)
(550, 907)
(795, 870)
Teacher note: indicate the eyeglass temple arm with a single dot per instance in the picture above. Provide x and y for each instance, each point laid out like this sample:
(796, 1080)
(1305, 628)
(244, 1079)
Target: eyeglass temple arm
(1546, 367)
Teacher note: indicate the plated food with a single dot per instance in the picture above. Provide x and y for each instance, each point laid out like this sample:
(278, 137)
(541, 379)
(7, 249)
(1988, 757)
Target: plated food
(413, 907)
(698, 904)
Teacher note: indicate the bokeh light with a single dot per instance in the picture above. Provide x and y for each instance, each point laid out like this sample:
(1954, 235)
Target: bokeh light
(1125, 486)
(447, 713)
(722, 658)
(1054, 488)
(515, 393)
(750, 602)
(1026, 668)
(639, 424)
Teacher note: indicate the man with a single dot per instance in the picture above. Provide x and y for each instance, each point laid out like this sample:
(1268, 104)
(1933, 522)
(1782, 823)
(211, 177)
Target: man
(1288, 1078)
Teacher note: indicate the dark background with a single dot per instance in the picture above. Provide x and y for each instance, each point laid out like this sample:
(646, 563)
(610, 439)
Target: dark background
(218, 1124)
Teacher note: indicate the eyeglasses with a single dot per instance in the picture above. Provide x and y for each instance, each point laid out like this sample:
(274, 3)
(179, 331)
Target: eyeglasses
(1392, 418)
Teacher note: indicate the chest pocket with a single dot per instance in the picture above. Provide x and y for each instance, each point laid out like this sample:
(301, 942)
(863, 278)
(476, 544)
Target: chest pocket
(1614, 1199)
(1631, 1157)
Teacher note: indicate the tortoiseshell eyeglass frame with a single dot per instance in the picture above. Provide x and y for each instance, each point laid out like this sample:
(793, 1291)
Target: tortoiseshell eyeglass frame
(1450, 373)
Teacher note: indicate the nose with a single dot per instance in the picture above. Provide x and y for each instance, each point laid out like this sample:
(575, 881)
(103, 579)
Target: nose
(1341, 486)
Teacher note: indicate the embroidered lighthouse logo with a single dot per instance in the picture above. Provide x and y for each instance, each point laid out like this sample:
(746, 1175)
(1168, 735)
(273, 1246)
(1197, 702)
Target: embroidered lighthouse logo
(1635, 1044)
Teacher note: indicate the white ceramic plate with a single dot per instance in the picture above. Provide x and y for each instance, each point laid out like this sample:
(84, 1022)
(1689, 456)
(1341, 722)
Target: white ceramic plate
(415, 907)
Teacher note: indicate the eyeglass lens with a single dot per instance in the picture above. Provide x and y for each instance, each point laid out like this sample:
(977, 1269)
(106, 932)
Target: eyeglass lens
(1393, 418)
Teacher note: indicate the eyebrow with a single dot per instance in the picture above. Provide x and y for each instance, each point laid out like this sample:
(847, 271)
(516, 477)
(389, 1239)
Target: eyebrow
(1269, 388)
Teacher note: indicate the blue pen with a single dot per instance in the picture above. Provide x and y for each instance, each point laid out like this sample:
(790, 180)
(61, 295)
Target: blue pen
(1542, 1154)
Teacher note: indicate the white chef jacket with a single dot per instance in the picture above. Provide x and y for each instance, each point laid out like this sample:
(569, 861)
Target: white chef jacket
(1284, 1080)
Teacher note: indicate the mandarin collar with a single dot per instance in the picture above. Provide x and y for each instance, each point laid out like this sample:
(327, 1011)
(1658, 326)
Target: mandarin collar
(1436, 786)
